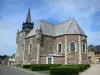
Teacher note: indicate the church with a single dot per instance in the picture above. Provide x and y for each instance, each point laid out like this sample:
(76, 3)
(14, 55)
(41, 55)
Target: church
(48, 43)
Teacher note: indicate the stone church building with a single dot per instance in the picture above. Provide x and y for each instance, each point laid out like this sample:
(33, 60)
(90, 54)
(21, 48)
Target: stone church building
(48, 43)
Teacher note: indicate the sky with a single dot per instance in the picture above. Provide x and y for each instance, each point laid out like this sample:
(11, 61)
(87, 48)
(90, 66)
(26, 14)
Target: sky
(13, 14)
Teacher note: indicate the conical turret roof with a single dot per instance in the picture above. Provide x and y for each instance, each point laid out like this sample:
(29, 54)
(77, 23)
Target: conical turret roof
(28, 18)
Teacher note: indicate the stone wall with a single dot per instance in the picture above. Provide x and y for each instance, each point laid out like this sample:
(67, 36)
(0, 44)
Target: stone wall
(47, 47)
(30, 57)
(43, 59)
(20, 47)
(58, 60)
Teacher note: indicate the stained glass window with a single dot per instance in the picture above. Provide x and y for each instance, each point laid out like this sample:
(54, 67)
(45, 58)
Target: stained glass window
(72, 47)
(59, 47)
(83, 47)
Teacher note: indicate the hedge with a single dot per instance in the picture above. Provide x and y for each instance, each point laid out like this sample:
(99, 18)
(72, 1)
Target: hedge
(39, 67)
(86, 66)
(81, 67)
(27, 66)
(66, 70)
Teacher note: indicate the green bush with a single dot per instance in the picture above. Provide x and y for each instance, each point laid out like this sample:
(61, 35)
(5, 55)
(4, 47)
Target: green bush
(39, 67)
(86, 66)
(27, 66)
(81, 67)
(64, 70)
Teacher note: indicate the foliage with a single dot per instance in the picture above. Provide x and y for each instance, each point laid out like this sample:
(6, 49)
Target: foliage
(64, 70)
(27, 66)
(39, 67)
(3, 57)
(68, 69)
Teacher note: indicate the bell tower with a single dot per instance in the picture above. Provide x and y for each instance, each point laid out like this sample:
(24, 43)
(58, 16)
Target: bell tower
(28, 25)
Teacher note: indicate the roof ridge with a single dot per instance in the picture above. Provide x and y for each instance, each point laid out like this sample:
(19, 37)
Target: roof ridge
(97, 45)
(63, 21)
(47, 22)
(79, 27)
(70, 23)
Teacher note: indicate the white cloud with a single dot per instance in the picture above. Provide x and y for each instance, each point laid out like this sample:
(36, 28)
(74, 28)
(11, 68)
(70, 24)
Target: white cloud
(82, 10)
(59, 10)
(94, 37)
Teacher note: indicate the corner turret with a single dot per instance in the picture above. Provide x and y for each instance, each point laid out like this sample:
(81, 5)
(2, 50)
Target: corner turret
(39, 34)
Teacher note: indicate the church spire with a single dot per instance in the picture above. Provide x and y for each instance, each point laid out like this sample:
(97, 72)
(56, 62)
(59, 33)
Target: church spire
(28, 18)
(28, 25)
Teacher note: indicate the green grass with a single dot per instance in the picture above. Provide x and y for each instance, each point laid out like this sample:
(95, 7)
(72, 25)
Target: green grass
(44, 71)
(19, 66)
(28, 69)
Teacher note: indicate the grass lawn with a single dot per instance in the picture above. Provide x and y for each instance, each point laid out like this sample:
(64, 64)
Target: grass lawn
(19, 66)
(43, 71)
(28, 69)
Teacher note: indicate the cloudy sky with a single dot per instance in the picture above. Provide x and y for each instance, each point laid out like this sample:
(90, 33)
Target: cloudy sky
(13, 14)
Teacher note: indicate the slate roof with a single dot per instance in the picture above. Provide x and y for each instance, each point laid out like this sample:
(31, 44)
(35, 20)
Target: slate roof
(91, 48)
(94, 48)
(67, 27)
(28, 18)
(97, 48)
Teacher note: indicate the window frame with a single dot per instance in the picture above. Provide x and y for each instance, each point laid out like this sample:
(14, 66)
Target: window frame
(70, 46)
(30, 49)
(52, 58)
(58, 47)
(82, 47)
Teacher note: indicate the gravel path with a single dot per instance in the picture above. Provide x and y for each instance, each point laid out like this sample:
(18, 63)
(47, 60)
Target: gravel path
(93, 70)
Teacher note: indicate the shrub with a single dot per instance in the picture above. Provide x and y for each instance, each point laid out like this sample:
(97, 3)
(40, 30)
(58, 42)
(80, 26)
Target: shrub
(27, 66)
(85, 65)
(39, 67)
(81, 67)
(64, 70)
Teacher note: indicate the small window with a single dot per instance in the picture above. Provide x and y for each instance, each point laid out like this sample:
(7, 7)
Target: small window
(72, 47)
(30, 49)
(59, 47)
(84, 47)
(49, 61)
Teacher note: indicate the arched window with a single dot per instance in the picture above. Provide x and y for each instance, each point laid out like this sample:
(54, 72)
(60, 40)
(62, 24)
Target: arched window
(72, 46)
(49, 60)
(59, 47)
(30, 49)
(84, 46)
